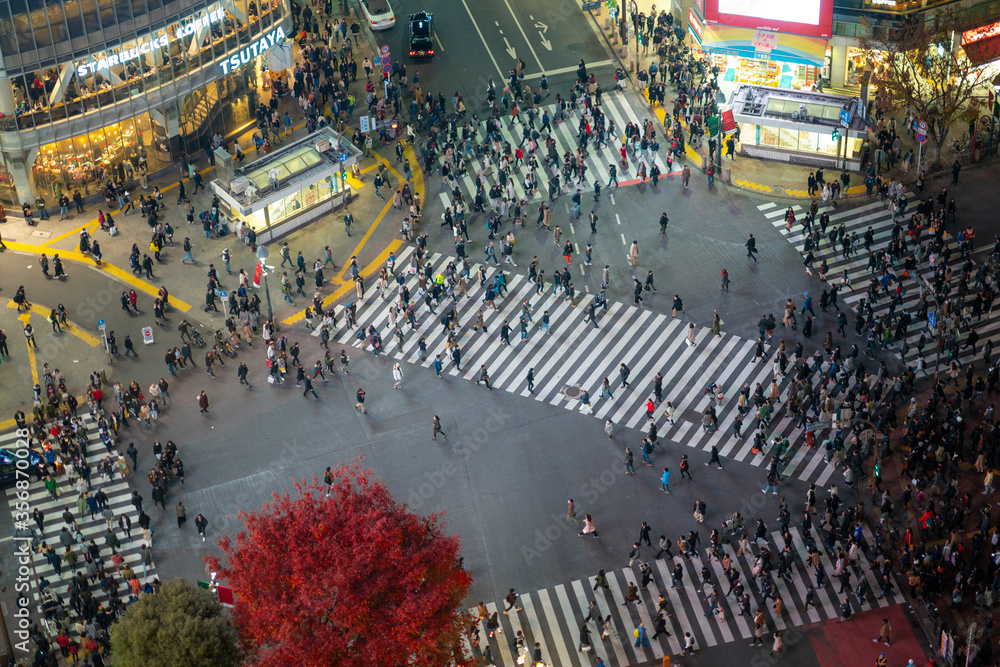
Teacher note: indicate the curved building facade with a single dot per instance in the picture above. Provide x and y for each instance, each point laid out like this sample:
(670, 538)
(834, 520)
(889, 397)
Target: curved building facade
(92, 89)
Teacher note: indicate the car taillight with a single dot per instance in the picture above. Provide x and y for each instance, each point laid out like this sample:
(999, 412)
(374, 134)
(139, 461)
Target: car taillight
(431, 52)
(374, 23)
(413, 53)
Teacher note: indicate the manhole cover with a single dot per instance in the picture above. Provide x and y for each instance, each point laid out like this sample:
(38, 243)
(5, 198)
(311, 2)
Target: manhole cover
(777, 190)
(38, 234)
(571, 391)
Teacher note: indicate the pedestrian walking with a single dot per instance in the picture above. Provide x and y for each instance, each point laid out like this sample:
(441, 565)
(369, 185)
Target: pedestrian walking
(397, 376)
(203, 402)
(437, 429)
(883, 633)
(571, 513)
(751, 245)
(360, 402)
(511, 601)
(202, 524)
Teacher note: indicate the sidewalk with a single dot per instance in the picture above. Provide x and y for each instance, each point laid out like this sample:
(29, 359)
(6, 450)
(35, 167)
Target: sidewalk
(187, 283)
(773, 178)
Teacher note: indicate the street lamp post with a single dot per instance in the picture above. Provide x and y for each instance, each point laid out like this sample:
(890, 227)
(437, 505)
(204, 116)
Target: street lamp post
(261, 257)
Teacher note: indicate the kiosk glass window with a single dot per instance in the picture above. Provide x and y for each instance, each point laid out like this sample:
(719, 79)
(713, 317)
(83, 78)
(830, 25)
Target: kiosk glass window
(256, 221)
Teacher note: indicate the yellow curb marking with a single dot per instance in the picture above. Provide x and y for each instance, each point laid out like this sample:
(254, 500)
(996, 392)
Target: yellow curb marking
(111, 269)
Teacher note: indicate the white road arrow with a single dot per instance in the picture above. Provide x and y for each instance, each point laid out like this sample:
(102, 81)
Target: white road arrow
(541, 33)
(510, 49)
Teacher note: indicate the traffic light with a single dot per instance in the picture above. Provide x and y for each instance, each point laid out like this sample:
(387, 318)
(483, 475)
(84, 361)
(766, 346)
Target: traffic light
(878, 470)
(836, 134)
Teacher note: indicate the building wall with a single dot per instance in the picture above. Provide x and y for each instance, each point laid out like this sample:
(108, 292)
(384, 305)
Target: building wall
(96, 83)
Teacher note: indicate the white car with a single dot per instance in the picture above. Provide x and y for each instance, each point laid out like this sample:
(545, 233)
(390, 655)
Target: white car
(379, 14)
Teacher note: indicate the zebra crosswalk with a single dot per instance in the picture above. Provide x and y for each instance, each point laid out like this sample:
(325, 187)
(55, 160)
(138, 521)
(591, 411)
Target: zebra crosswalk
(553, 616)
(577, 356)
(875, 214)
(619, 109)
(93, 529)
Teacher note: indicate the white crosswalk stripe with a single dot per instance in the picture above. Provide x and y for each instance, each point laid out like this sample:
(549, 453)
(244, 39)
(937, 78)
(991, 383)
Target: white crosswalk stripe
(618, 108)
(553, 616)
(873, 213)
(577, 356)
(119, 500)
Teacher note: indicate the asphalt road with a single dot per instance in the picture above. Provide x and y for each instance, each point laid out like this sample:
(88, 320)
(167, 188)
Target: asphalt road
(482, 41)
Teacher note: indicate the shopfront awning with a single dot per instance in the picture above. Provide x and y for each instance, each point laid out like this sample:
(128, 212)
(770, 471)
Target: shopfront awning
(763, 44)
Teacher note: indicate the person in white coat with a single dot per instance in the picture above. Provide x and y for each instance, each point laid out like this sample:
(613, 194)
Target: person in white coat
(397, 375)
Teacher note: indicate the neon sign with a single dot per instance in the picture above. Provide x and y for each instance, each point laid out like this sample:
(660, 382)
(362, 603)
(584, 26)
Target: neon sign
(248, 53)
(148, 46)
(123, 57)
(199, 22)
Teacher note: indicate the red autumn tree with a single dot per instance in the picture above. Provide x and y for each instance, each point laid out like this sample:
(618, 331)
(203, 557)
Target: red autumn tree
(353, 579)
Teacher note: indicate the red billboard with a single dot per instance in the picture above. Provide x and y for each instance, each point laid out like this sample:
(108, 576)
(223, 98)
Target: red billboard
(800, 17)
(982, 45)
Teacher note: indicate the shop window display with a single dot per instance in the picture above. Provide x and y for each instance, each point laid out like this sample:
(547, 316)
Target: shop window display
(117, 152)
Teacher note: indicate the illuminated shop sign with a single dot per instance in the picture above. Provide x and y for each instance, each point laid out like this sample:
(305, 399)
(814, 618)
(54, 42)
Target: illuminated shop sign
(149, 45)
(199, 22)
(123, 57)
(247, 54)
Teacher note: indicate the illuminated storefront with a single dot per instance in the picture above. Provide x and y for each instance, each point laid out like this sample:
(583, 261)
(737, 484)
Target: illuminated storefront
(290, 186)
(769, 42)
(798, 127)
(144, 101)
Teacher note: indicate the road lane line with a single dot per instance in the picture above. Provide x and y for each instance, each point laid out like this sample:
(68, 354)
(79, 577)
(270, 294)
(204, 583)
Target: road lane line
(483, 40)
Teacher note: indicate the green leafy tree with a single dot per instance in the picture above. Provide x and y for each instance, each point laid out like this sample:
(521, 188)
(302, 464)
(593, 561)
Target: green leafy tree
(180, 625)
(920, 66)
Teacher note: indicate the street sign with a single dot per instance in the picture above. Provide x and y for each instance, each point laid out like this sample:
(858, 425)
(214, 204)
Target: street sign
(921, 138)
(100, 325)
(845, 118)
(377, 62)
(386, 68)
(932, 319)
(223, 294)
(384, 50)
(343, 157)
(922, 127)
(147, 335)
(366, 124)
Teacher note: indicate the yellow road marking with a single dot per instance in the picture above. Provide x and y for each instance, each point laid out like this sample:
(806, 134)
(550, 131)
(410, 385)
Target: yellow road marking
(69, 327)
(388, 165)
(111, 269)
(347, 287)
(24, 317)
(89, 226)
(418, 173)
(364, 239)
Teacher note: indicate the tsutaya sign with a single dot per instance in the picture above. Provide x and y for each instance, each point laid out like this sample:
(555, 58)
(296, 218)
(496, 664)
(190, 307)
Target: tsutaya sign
(276, 36)
(149, 45)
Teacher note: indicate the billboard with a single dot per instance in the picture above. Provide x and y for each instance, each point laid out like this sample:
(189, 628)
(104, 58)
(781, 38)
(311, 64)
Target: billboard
(982, 45)
(800, 17)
